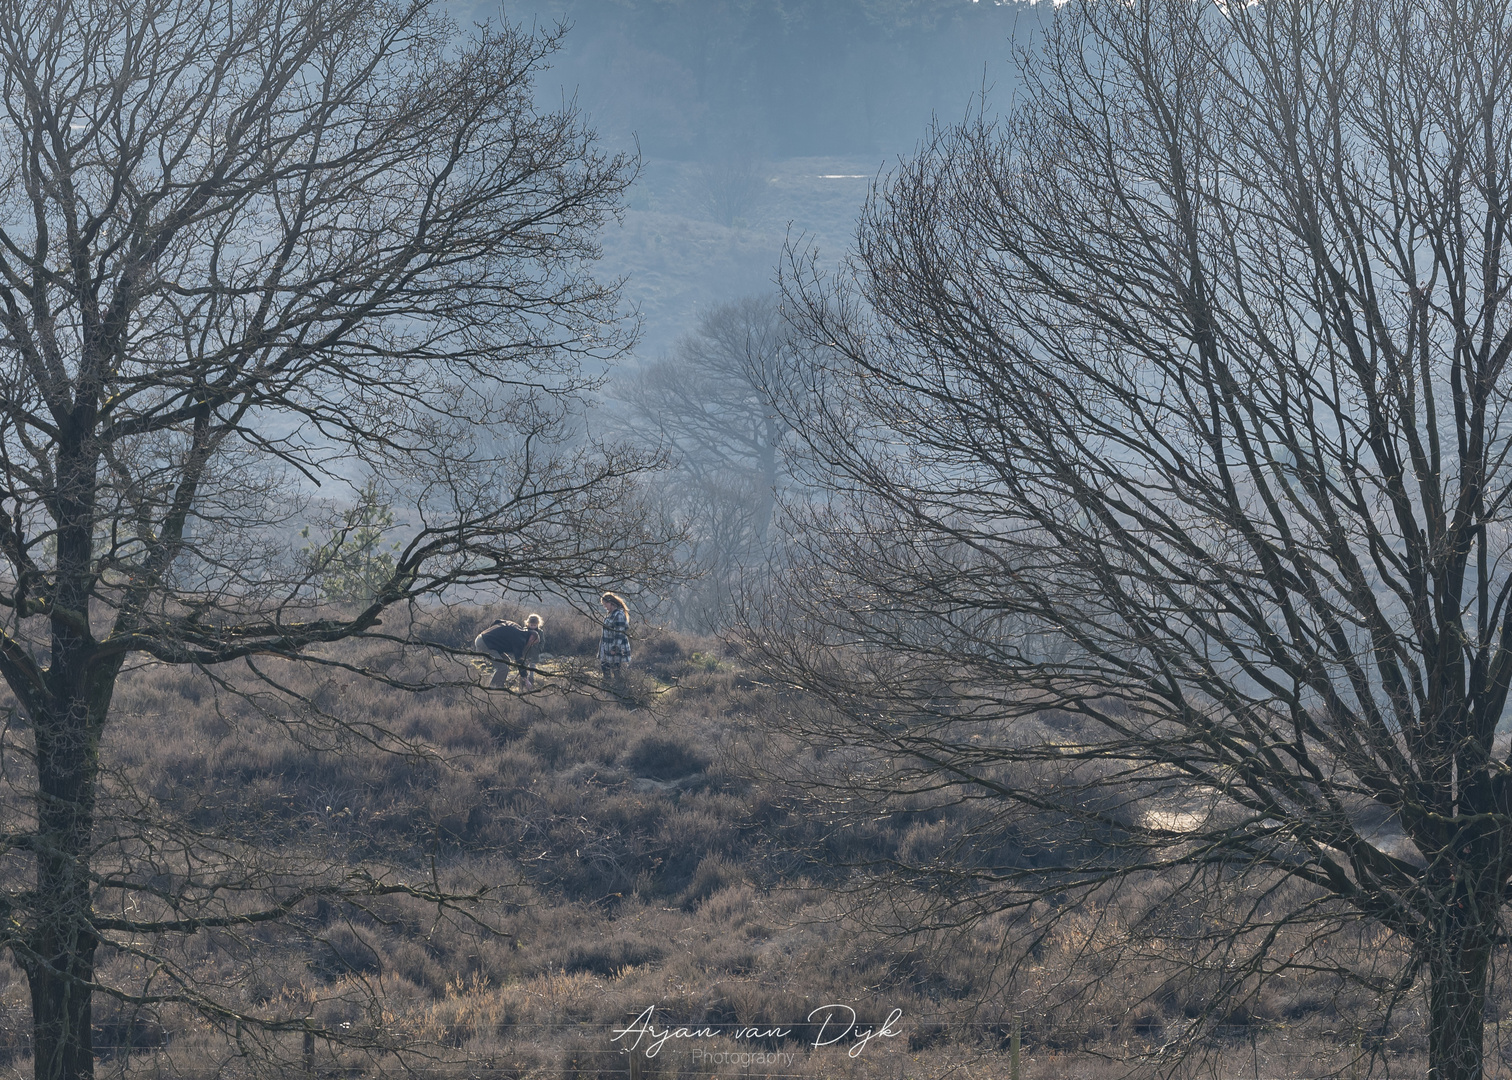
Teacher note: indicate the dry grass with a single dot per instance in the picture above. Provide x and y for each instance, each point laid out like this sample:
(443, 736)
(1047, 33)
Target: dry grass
(631, 863)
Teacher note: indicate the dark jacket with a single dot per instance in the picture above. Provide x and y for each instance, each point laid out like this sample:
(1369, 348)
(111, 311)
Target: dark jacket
(508, 639)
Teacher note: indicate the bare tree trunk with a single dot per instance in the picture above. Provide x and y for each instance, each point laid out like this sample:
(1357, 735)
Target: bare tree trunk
(67, 731)
(768, 493)
(1458, 974)
(61, 971)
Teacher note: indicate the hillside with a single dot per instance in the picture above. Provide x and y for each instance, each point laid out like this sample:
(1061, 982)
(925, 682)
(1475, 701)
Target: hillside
(636, 854)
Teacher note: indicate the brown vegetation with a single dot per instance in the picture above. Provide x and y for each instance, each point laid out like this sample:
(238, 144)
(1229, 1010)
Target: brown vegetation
(632, 858)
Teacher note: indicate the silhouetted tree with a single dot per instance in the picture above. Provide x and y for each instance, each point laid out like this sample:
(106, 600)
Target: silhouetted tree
(1166, 433)
(244, 247)
(705, 403)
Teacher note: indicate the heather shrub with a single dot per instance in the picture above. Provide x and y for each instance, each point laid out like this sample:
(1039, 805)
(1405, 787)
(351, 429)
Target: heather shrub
(662, 758)
(625, 858)
(612, 957)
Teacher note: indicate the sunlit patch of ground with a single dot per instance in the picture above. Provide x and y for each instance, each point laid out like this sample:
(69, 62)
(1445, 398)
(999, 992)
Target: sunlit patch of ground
(1173, 820)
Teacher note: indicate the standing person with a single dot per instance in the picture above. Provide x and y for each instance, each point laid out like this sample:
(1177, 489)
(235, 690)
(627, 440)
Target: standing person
(614, 645)
(508, 643)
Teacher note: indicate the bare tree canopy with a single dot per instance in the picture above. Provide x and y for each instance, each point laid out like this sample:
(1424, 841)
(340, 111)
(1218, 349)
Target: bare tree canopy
(1179, 404)
(245, 249)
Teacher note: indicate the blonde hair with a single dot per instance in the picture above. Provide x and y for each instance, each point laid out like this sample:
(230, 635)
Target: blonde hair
(616, 600)
(533, 621)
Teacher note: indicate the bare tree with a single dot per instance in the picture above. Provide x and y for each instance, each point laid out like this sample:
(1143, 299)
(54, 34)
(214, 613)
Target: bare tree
(706, 404)
(1177, 408)
(247, 248)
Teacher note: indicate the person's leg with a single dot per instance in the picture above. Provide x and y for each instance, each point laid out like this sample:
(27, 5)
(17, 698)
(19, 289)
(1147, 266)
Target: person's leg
(529, 660)
(500, 675)
(501, 666)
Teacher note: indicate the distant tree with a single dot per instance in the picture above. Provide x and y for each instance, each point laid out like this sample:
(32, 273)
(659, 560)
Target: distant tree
(705, 403)
(245, 248)
(1198, 370)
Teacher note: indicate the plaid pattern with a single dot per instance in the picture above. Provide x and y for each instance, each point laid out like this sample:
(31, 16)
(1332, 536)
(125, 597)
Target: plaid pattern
(614, 645)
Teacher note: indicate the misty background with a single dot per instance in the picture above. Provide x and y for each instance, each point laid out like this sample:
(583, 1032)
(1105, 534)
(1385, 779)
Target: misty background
(758, 124)
(759, 119)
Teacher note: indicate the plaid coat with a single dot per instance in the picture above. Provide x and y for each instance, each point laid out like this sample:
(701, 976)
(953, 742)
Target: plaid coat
(614, 645)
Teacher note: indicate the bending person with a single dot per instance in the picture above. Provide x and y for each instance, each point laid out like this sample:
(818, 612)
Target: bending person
(512, 647)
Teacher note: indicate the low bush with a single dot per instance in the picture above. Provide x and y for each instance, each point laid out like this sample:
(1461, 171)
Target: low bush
(660, 757)
(629, 861)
